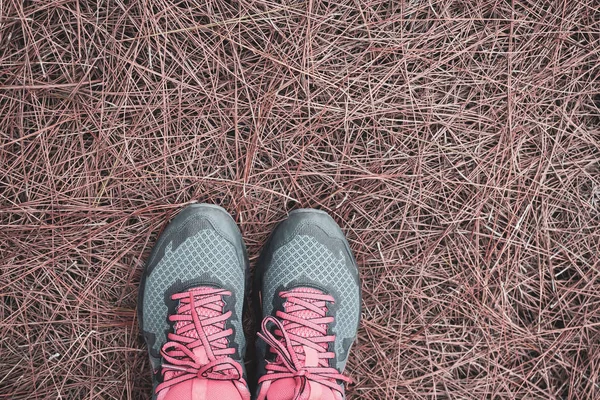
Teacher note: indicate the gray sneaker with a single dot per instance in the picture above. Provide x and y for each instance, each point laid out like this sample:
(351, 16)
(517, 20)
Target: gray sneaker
(191, 305)
(308, 286)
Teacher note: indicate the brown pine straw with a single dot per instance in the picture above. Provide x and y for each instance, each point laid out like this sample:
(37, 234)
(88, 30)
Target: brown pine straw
(456, 142)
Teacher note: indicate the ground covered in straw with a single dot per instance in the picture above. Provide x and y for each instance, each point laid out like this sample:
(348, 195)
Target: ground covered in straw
(456, 142)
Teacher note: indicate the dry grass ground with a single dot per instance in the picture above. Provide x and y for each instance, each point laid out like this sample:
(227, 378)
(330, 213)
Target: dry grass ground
(457, 143)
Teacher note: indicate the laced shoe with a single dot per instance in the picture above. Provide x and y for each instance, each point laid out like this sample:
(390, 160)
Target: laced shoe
(190, 307)
(308, 288)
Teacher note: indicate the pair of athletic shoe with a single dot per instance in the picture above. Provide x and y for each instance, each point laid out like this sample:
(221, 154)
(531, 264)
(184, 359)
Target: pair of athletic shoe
(191, 303)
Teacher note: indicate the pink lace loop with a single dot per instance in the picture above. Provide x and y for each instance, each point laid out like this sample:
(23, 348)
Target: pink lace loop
(290, 363)
(213, 368)
(178, 353)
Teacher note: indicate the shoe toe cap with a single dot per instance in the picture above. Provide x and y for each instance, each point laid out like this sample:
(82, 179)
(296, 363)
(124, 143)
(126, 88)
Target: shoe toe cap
(192, 220)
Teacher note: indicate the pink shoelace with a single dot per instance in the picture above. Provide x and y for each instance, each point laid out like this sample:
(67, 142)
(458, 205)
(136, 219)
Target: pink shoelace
(181, 364)
(304, 324)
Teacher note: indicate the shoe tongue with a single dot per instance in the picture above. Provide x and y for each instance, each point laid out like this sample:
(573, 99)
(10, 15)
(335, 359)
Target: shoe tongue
(306, 314)
(203, 312)
(199, 388)
(284, 389)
